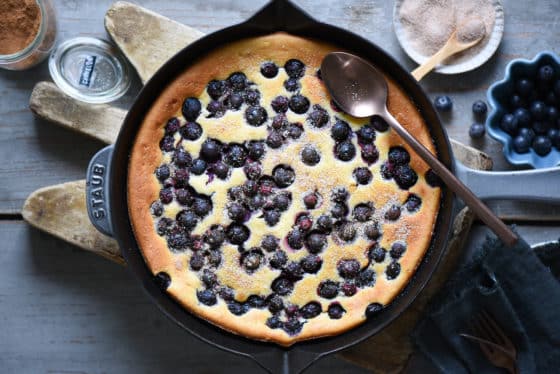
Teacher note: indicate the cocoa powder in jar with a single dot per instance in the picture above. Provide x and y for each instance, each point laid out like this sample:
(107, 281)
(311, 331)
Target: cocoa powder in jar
(20, 21)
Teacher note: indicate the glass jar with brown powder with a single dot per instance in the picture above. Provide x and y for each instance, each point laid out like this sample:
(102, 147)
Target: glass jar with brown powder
(27, 32)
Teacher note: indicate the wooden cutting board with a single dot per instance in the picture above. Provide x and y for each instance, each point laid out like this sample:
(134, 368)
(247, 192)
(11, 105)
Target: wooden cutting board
(148, 40)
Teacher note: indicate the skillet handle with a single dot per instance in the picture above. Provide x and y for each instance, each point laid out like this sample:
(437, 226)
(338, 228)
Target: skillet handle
(293, 361)
(527, 185)
(97, 194)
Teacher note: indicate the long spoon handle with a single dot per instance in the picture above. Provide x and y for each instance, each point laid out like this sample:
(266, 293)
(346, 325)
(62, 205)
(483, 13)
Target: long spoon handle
(470, 199)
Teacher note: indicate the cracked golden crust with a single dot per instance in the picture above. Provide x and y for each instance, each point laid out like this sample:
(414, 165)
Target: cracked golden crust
(143, 188)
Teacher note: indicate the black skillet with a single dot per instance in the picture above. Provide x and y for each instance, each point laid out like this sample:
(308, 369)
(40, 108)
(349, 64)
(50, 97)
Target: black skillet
(107, 188)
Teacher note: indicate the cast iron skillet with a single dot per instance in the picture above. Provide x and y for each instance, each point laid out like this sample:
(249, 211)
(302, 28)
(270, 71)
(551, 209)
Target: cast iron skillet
(107, 188)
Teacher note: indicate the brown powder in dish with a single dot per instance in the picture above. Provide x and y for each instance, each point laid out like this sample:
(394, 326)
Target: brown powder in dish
(19, 24)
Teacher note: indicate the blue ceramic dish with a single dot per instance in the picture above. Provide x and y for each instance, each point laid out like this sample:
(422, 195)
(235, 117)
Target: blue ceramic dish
(499, 95)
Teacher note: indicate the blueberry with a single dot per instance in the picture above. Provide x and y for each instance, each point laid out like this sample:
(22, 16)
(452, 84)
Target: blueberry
(315, 242)
(311, 310)
(393, 270)
(393, 213)
(398, 156)
(339, 210)
(215, 258)
(182, 158)
(443, 103)
(477, 130)
(347, 231)
(542, 145)
(237, 81)
(256, 115)
(328, 289)
(348, 268)
(524, 87)
(282, 286)
(523, 117)
(172, 126)
(221, 170)
(362, 212)
(206, 297)
(215, 236)
(216, 89)
(266, 185)
(253, 170)
(271, 217)
(310, 200)
(181, 177)
(373, 309)
(164, 225)
(479, 108)
(521, 144)
(209, 278)
(339, 195)
(516, 101)
(251, 260)
(275, 303)
(541, 127)
(167, 143)
(362, 175)
(349, 289)
(187, 219)
(291, 85)
(366, 278)
(405, 176)
(162, 280)
(202, 206)
(318, 116)
(433, 179)
(387, 169)
(274, 139)
(274, 322)
(283, 175)
(156, 208)
(237, 234)
(557, 88)
(237, 212)
(236, 156)
(269, 69)
(256, 150)
(269, 243)
(366, 134)
(295, 130)
(280, 104)
(538, 110)
(311, 264)
(304, 221)
(210, 150)
(551, 114)
(256, 301)
(250, 188)
(397, 250)
(279, 122)
(413, 203)
(191, 108)
(298, 104)
(278, 259)
(293, 271)
(310, 156)
(345, 151)
(292, 326)
(294, 68)
(527, 133)
(554, 136)
(216, 109)
(340, 130)
(376, 253)
(546, 73)
(371, 231)
(370, 154)
(509, 123)
(295, 239)
(237, 308)
(379, 124)
(234, 101)
(324, 223)
(162, 172)
(282, 201)
(166, 195)
(197, 261)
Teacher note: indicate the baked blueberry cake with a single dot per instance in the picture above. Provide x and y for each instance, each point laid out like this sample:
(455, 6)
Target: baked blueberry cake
(263, 208)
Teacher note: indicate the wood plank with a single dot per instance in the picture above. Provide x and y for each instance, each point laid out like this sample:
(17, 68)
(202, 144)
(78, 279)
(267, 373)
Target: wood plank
(65, 311)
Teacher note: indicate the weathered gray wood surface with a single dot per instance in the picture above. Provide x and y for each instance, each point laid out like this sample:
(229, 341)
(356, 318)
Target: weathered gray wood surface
(78, 313)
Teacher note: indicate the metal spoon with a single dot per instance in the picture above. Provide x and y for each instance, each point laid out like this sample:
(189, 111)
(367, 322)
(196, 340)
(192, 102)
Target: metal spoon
(361, 91)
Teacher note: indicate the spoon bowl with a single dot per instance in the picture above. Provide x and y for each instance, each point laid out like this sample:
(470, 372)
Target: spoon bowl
(361, 90)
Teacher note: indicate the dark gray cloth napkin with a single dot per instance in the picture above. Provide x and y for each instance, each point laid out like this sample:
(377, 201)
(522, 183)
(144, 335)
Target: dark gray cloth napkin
(519, 287)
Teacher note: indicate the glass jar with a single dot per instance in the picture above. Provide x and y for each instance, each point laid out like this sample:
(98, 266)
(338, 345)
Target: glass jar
(40, 47)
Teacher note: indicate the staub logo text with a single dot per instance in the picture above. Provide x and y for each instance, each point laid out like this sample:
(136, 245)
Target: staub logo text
(97, 198)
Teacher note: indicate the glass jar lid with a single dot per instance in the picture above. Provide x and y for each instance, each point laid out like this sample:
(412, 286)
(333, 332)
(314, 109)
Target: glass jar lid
(90, 69)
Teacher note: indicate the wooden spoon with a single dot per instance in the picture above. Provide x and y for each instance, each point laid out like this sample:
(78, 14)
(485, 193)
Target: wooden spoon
(465, 36)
